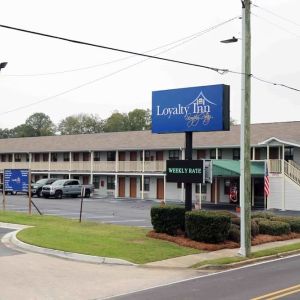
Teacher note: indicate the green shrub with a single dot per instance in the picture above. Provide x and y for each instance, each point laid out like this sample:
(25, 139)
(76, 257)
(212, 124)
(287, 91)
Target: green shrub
(262, 214)
(236, 221)
(234, 233)
(293, 221)
(254, 228)
(207, 226)
(274, 227)
(225, 213)
(168, 219)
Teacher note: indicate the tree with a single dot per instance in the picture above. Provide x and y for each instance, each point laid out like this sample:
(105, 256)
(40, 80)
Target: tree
(116, 122)
(22, 130)
(6, 133)
(139, 119)
(81, 124)
(39, 124)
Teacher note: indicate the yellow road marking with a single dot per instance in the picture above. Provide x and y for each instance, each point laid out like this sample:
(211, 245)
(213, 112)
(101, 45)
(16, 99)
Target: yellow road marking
(280, 293)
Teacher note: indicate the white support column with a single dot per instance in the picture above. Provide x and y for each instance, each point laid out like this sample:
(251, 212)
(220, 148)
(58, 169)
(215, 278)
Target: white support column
(70, 161)
(117, 161)
(217, 153)
(283, 179)
(49, 164)
(142, 187)
(116, 186)
(253, 153)
(143, 161)
(92, 167)
(216, 190)
(268, 152)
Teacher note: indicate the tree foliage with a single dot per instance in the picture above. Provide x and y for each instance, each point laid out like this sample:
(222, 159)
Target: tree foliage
(40, 124)
(81, 124)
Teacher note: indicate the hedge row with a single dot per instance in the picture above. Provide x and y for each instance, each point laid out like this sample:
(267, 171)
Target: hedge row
(168, 219)
(217, 226)
(207, 226)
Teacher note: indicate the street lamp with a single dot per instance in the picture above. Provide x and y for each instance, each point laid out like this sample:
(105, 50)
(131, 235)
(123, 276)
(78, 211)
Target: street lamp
(232, 40)
(3, 65)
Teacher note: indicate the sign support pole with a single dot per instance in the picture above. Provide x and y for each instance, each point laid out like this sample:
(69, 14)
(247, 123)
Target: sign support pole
(3, 191)
(188, 156)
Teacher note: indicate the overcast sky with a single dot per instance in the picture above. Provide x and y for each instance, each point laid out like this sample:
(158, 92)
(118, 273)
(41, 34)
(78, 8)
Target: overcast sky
(103, 81)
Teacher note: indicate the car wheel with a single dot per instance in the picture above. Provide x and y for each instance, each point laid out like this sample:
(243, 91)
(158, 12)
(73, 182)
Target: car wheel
(39, 193)
(87, 194)
(58, 194)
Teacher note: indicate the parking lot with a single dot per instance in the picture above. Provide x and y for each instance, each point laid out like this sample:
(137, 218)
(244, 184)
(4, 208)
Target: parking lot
(105, 210)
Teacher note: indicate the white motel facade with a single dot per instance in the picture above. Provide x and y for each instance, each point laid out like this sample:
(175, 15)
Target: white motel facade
(133, 164)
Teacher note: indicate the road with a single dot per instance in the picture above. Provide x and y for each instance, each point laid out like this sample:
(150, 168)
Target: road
(245, 283)
(106, 210)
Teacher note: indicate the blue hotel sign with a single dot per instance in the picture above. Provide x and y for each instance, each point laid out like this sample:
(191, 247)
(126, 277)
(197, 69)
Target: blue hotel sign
(202, 108)
(16, 180)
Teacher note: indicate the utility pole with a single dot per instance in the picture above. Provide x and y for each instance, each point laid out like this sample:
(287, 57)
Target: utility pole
(245, 179)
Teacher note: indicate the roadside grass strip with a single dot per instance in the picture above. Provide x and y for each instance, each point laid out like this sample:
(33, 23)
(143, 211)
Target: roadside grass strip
(257, 254)
(90, 238)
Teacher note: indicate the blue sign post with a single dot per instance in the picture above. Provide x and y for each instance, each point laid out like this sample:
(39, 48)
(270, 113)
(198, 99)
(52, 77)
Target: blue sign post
(202, 108)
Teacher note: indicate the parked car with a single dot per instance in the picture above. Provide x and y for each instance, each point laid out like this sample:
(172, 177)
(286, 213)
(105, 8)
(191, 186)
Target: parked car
(66, 187)
(36, 188)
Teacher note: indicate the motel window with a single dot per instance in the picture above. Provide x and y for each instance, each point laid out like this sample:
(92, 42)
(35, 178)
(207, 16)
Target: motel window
(66, 156)
(3, 157)
(97, 156)
(110, 182)
(173, 154)
(53, 156)
(288, 153)
(146, 184)
(86, 156)
(147, 155)
(36, 157)
(76, 156)
(236, 154)
(212, 153)
(111, 156)
(17, 157)
(203, 188)
(96, 182)
(45, 156)
(10, 157)
(27, 157)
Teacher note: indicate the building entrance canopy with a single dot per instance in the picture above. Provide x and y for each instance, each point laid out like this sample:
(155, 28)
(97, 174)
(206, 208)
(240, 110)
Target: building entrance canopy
(231, 168)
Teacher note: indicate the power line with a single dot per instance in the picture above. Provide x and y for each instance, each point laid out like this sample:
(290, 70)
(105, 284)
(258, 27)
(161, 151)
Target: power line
(178, 43)
(276, 15)
(218, 70)
(276, 25)
(275, 83)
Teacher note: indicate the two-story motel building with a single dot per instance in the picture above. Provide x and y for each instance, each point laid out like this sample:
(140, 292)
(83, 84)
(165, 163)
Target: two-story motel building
(132, 164)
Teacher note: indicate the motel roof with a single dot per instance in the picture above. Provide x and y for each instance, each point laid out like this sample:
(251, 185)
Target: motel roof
(287, 133)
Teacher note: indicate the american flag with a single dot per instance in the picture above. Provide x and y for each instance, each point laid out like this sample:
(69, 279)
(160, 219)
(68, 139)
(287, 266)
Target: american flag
(267, 181)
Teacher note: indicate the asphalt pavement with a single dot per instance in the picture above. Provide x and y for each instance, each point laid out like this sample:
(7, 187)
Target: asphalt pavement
(250, 282)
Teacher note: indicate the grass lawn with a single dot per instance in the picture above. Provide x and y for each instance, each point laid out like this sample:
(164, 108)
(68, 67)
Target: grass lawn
(256, 254)
(129, 243)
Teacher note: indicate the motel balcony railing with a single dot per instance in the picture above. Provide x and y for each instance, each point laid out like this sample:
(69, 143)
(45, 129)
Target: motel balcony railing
(88, 166)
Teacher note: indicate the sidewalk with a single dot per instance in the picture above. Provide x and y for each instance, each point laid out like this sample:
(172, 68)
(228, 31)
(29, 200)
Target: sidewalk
(11, 241)
(189, 260)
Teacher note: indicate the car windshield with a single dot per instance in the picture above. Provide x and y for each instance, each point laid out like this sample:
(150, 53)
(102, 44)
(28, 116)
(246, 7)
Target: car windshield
(42, 181)
(58, 182)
